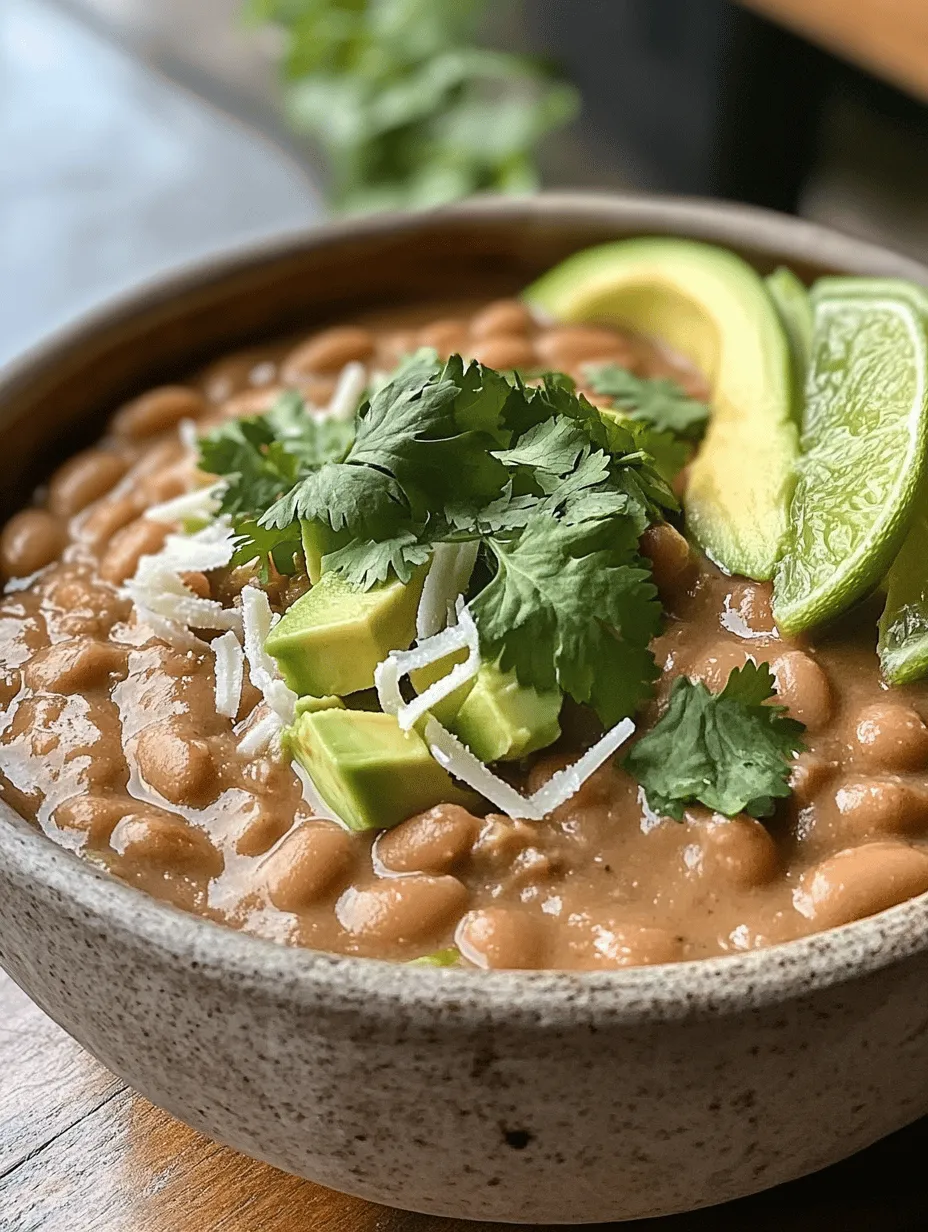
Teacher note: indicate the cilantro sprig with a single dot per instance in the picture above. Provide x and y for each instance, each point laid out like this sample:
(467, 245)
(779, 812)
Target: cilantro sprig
(729, 751)
(657, 401)
(555, 495)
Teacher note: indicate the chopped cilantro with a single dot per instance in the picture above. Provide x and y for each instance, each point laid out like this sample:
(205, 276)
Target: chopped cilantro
(572, 605)
(729, 751)
(657, 401)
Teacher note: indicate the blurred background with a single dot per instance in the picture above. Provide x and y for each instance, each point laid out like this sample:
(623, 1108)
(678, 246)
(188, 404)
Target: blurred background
(136, 134)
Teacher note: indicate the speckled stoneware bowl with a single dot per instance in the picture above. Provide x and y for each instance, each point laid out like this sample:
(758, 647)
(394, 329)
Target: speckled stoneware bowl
(508, 1096)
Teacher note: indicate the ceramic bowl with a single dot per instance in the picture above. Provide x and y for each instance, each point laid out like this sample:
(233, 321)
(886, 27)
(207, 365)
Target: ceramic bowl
(519, 1096)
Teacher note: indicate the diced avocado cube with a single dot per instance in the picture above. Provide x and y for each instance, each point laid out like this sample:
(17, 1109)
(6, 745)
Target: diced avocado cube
(309, 704)
(368, 770)
(502, 720)
(318, 540)
(333, 637)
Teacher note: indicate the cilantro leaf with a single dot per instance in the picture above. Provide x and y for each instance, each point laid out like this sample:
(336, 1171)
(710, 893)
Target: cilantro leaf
(572, 605)
(657, 401)
(728, 750)
(365, 564)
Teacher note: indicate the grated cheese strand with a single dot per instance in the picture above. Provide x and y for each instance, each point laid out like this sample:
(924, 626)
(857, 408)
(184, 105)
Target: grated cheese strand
(447, 578)
(257, 621)
(261, 737)
(348, 392)
(230, 672)
(458, 760)
(200, 503)
(567, 782)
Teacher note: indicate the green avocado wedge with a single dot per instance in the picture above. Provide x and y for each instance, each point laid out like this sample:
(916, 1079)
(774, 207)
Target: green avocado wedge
(710, 306)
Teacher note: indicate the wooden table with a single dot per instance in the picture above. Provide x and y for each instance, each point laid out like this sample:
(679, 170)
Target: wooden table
(80, 1153)
(887, 37)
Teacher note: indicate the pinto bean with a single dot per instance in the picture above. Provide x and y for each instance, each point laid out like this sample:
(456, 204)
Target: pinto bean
(30, 541)
(307, 864)
(808, 776)
(174, 761)
(106, 518)
(448, 337)
(158, 411)
(502, 937)
(717, 661)
(329, 351)
(883, 805)
(596, 941)
(565, 347)
(403, 910)
(803, 688)
(748, 610)
(431, 842)
(83, 479)
(861, 881)
(75, 666)
(891, 736)
(503, 317)
(156, 839)
(672, 563)
(127, 547)
(738, 851)
(93, 816)
(505, 351)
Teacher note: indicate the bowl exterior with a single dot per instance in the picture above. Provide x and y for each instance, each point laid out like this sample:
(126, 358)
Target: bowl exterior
(522, 1097)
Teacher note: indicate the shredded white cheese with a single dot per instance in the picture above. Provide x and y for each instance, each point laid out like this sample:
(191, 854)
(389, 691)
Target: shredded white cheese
(230, 672)
(400, 663)
(258, 620)
(207, 549)
(200, 503)
(348, 392)
(189, 435)
(261, 737)
(158, 588)
(447, 578)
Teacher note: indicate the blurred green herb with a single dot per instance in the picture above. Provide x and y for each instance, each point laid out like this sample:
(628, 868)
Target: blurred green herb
(409, 111)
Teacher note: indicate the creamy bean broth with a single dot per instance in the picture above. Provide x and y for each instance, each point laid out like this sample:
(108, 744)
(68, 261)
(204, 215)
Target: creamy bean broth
(112, 744)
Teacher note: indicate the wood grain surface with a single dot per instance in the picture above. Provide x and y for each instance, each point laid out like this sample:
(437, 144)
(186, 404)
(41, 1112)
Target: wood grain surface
(887, 37)
(80, 1153)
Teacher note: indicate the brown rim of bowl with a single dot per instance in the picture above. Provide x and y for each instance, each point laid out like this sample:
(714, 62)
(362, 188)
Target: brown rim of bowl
(460, 998)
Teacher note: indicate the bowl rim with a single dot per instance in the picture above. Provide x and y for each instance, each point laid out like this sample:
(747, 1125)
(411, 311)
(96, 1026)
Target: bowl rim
(459, 997)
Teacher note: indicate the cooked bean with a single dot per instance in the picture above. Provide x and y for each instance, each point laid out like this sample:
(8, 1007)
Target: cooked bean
(604, 942)
(503, 316)
(106, 518)
(431, 842)
(506, 351)
(250, 402)
(891, 736)
(75, 665)
(862, 881)
(595, 791)
(738, 851)
(85, 478)
(166, 483)
(566, 346)
(153, 838)
(808, 776)
(308, 864)
(407, 909)
(882, 806)
(448, 337)
(176, 763)
(127, 547)
(198, 583)
(803, 688)
(93, 816)
(672, 563)
(392, 347)
(501, 937)
(716, 663)
(30, 541)
(157, 411)
(748, 610)
(328, 351)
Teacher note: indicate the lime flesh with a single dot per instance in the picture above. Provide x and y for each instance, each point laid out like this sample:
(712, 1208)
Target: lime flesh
(863, 447)
(903, 643)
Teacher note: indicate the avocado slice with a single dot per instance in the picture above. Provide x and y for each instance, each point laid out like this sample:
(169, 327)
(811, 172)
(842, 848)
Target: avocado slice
(794, 304)
(334, 636)
(711, 307)
(496, 717)
(310, 704)
(318, 540)
(371, 773)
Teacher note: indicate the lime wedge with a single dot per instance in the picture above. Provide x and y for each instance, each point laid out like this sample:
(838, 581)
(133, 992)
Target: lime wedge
(795, 310)
(709, 305)
(903, 643)
(863, 446)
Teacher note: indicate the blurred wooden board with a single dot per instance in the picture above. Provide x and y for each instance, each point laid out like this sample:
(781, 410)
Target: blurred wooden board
(80, 1153)
(887, 37)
